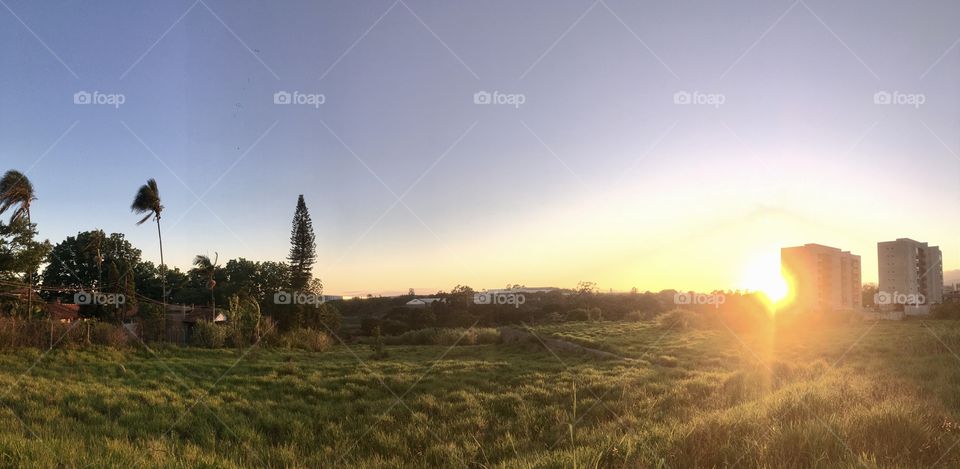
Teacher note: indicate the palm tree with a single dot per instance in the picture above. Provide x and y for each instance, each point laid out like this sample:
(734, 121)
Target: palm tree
(208, 268)
(147, 201)
(95, 247)
(16, 192)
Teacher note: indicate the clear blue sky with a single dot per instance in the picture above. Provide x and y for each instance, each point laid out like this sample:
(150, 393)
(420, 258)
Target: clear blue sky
(599, 175)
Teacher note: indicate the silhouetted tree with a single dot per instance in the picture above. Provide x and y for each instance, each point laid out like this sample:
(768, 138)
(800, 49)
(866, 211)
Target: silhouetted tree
(303, 248)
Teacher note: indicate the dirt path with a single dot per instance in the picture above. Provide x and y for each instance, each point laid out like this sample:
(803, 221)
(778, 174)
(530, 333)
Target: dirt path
(510, 335)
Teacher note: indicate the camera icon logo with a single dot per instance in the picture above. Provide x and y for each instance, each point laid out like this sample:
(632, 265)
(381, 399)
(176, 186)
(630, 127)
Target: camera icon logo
(282, 97)
(682, 97)
(482, 298)
(482, 97)
(82, 298)
(883, 298)
(882, 97)
(682, 298)
(82, 97)
(282, 298)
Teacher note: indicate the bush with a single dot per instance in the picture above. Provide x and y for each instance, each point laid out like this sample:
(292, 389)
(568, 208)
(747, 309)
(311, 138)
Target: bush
(367, 325)
(269, 333)
(323, 318)
(393, 327)
(107, 334)
(585, 314)
(379, 352)
(208, 335)
(308, 339)
(556, 317)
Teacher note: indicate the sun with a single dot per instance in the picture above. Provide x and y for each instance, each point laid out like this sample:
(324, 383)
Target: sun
(762, 274)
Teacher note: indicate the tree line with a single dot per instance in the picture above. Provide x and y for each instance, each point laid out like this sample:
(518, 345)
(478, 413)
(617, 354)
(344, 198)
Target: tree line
(35, 272)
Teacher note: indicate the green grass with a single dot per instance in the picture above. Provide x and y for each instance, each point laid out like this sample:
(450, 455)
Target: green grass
(863, 395)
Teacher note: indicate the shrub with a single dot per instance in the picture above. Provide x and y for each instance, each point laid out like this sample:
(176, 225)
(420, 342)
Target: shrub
(367, 325)
(243, 321)
(488, 335)
(269, 333)
(555, 317)
(323, 318)
(110, 335)
(308, 339)
(585, 314)
(379, 353)
(207, 334)
(393, 327)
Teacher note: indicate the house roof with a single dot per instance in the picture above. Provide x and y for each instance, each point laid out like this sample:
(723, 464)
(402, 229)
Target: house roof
(423, 301)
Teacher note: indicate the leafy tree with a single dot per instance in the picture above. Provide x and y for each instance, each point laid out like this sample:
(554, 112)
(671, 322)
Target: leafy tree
(460, 297)
(586, 288)
(147, 277)
(208, 268)
(868, 292)
(324, 318)
(20, 253)
(271, 278)
(239, 277)
(186, 287)
(258, 280)
(76, 262)
(303, 247)
(20, 257)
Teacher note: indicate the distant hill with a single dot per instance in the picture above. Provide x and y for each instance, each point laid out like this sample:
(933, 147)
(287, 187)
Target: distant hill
(951, 277)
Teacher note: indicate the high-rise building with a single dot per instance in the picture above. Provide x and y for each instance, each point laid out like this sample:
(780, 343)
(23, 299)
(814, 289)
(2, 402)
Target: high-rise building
(822, 278)
(911, 274)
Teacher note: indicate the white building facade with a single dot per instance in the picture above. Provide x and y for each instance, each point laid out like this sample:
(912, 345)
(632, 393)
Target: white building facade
(911, 275)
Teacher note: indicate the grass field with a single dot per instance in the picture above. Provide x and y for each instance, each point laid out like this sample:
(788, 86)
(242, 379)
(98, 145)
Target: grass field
(884, 395)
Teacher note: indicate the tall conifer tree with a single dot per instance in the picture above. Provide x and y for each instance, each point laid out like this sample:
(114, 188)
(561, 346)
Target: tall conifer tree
(303, 248)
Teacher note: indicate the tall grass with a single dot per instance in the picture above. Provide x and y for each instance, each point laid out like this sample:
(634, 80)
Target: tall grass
(879, 395)
(446, 336)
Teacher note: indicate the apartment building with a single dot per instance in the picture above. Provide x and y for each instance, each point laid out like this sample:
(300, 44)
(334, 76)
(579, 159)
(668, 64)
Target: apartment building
(822, 278)
(911, 275)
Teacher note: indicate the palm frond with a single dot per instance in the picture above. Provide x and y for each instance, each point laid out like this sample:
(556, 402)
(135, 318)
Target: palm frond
(147, 200)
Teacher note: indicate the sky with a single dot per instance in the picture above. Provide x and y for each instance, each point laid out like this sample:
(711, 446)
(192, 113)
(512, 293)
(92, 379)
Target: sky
(633, 144)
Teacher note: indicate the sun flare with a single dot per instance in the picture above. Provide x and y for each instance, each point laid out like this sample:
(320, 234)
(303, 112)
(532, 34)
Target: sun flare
(762, 274)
